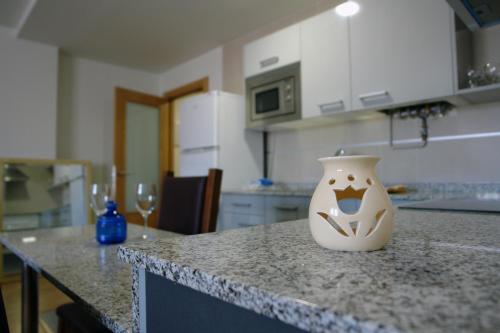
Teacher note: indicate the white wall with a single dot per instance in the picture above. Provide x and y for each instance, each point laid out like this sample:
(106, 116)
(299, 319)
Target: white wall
(208, 64)
(29, 90)
(294, 154)
(487, 46)
(466, 158)
(28, 98)
(86, 108)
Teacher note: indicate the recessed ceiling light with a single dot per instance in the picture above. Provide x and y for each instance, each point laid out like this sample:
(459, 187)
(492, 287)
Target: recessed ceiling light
(348, 8)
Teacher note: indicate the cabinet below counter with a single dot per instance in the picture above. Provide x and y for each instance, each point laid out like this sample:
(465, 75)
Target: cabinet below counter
(246, 210)
(439, 273)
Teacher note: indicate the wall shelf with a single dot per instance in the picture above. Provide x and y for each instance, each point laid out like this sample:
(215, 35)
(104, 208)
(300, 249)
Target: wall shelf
(482, 94)
(63, 183)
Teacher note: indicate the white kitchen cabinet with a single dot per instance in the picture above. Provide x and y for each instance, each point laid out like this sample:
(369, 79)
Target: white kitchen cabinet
(286, 208)
(244, 210)
(401, 52)
(232, 220)
(276, 50)
(239, 210)
(325, 65)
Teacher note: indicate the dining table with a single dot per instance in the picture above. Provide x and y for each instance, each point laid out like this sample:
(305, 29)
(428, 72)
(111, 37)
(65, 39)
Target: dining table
(72, 260)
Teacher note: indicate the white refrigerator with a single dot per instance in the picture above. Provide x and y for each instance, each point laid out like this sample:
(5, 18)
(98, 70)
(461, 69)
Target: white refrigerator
(212, 134)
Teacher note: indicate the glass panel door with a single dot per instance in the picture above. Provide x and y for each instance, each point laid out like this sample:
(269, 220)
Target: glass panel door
(142, 149)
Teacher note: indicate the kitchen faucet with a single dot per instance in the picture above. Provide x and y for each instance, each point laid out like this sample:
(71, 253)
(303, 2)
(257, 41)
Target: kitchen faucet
(340, 152)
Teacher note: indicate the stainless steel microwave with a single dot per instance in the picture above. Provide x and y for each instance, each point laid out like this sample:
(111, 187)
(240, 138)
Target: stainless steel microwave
(273, 97)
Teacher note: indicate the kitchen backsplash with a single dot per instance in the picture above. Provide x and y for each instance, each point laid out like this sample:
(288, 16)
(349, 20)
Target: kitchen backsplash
(415, 191)
(463, 148)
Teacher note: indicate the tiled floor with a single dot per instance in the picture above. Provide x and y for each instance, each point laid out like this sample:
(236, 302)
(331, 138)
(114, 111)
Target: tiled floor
(50, 298)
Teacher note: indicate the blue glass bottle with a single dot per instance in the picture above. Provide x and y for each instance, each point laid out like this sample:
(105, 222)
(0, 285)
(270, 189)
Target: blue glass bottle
(111, 227)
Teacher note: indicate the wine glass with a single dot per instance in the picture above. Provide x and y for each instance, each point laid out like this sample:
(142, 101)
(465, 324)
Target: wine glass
(100, 194)
(145, 203)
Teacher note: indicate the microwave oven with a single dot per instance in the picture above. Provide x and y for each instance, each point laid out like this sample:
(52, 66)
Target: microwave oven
(273, 97)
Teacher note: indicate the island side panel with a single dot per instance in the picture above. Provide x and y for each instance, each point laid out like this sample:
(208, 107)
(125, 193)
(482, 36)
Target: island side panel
(137, 297)
(172, 307)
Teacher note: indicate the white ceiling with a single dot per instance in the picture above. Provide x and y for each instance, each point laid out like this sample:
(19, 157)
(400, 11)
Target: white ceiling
(152, 35)
(12, 11)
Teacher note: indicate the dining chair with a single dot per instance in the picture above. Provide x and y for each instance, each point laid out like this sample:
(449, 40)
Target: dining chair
(189, 205)
(4, 325)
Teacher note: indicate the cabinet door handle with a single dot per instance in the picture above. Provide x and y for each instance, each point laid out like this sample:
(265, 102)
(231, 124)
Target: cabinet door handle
(199, 149)
(269, 62)
(246, 225)
(331, 107)
(375, 94)
(245, 205)
(287, 208)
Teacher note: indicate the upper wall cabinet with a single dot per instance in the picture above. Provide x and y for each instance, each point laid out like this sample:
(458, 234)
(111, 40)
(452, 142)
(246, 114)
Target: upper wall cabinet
(401, 52)
(278, 49)
(325, 65)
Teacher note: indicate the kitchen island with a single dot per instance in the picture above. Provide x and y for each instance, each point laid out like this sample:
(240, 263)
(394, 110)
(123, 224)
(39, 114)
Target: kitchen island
(439, 273)
(89, 273)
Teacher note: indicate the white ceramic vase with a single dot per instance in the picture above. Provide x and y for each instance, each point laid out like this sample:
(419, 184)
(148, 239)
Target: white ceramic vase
(368, 224)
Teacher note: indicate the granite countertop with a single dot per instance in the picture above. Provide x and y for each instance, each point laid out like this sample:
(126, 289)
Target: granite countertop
(89, 273)
(412, 195)
(439, 273)
(272, 192)
(416, 191)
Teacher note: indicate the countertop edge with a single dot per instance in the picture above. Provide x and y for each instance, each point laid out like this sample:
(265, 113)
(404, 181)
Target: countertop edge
(277, 193)
(106, 321)
(5, 242)
(291, 311)
(110, 323)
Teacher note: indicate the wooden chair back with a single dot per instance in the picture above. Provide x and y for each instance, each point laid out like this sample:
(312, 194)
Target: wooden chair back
(190, 205)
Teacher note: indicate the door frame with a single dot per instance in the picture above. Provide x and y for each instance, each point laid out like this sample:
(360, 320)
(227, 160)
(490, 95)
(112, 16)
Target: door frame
(122, 97)
(165, 105)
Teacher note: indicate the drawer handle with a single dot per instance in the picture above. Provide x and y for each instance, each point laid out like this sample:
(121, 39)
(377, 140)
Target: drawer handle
(199, 149)
(246, 225)
(331, 107)
(375, 94)
(287, 208)
(245, 205)
(269, 62)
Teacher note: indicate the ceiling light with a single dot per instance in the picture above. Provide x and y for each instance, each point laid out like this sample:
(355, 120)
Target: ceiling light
(348, 8)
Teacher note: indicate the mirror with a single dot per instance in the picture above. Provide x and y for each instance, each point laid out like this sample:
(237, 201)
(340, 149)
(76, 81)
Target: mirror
(41, 194)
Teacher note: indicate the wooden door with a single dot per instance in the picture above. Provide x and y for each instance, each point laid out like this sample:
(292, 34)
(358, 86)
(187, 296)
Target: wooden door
(142, 144)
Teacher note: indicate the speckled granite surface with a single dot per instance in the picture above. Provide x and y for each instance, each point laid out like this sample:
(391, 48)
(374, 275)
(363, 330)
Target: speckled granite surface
(417, 191)
(439, 273)
(89, 273)
(273, 192)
